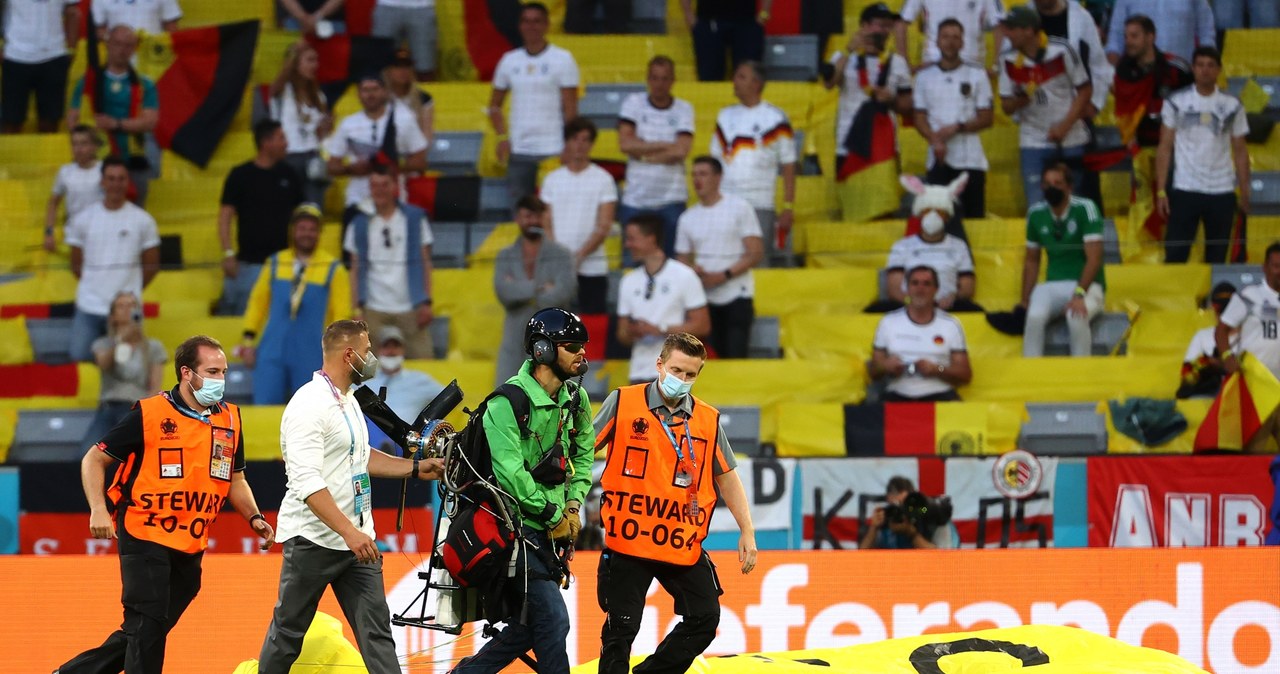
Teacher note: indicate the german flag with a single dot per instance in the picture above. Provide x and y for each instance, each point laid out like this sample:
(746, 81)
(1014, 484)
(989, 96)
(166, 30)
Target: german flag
(868, 175)
(915, 429)
(492, 29)
(346, 57)
(445, 198)
(1246, 400)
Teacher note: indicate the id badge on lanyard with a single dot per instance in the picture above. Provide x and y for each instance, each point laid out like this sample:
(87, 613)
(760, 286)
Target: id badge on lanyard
(686, 466)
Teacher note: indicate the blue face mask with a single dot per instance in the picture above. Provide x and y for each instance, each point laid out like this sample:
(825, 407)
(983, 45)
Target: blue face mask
(673, 388)
(210, 392)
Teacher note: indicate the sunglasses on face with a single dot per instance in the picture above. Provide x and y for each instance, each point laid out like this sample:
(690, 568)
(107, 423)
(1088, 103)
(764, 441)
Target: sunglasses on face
(572, 347)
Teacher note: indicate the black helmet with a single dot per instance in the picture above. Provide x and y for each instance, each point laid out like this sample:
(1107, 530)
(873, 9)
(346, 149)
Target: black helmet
(554, 326)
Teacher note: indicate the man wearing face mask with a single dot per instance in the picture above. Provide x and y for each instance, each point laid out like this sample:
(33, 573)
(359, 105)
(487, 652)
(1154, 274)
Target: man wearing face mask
(931, 247)
(667, 455)
(326, 517)
(1069, 230)
(533, 273)
(408, 391)
(183, 456)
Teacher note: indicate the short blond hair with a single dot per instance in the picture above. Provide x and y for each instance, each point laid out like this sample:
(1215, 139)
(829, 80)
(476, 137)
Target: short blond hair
(341, 332)
(685, 343)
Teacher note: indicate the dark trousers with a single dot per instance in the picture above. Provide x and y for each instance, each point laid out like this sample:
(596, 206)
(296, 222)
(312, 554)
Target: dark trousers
(158, 583)
(973, 201)
(306, 571)
(623, 580)
(580, 16)
(1186, 209)
(744, 38)
(731, 327)
(593, 294)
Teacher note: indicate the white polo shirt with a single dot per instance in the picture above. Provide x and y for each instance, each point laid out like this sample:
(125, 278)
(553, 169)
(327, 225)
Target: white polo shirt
(753, 143)
(536, 119)
(324, 442)
(949, 257)
(663, 299)
(934, 341)
(575, 200)
(1205, 126)
(652, 185)
(144, 15)
(388, 250)
(852, 95)
(1255, 310)
(977, 17)
(112, 242)
(1051, 83)
(80, 188)
(359, 137)
(951, 97)
(714, 235)
(34, 31)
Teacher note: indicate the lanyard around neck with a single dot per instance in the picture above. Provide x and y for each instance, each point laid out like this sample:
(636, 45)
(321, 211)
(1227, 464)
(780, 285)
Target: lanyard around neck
(675, 442)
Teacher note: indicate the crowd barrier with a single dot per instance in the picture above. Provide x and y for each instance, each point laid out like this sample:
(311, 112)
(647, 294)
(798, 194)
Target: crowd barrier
(1218, 608)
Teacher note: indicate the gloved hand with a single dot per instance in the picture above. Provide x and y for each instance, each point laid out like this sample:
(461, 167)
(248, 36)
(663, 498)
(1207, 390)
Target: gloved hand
(571, 510)
(562, 531)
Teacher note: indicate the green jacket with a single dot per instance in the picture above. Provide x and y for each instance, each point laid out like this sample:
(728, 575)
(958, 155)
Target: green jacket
(513, 456)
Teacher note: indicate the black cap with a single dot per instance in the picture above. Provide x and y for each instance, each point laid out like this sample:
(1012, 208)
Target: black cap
(402, 57)
(877, 11)
(1221, 295)
(1021, 16)
(554, 324)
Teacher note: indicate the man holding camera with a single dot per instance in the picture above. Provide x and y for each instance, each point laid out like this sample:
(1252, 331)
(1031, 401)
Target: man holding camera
(900, 526)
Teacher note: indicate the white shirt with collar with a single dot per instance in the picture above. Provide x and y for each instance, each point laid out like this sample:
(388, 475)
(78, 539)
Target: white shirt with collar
(1204, 126)
(1255, 310)
(325, 444)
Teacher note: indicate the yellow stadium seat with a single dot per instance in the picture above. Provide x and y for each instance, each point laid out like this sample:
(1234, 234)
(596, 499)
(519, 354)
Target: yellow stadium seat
(1264, 230)
(228, 11)
(767, 383)
(1194, 409)
(44, 287)
(172, 331)
(193, 200)
(1167, 333)
(262, 432)
(201, 284)
(1072, 379)
(33, 155)
(1252, 52)
(843, 290)
(1175, 287)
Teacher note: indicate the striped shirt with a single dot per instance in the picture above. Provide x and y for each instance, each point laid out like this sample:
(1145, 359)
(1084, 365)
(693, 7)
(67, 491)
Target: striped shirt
(753, 143)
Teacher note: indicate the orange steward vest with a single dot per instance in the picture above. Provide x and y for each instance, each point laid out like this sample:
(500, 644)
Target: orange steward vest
(173, 491)
(645, 512)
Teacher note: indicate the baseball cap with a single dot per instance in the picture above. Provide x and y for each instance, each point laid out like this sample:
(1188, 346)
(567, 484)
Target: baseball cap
(390, 333)
(1221, 295)
(877, 11)
(1021, 16)
(307, 210)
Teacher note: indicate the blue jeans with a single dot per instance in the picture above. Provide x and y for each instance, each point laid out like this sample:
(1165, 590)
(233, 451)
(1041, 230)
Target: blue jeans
(1229, 14)
(235, 291)
(670, 214)
(1033, 161)
(85, 327)
(544, 629)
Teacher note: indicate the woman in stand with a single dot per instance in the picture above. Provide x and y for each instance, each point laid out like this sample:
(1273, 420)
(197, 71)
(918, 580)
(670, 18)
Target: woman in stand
(298, 104)
(132, 365)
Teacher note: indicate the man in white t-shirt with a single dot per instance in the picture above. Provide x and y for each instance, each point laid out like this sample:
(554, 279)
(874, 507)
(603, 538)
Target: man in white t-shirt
(151, 16)
(659, 297)
(78, 184)
(1255, 313)
(37, 36)
(953, 102)
(754, 142)
(115, 247)
(581, 198)
(1046, 90)
(655, 131)
(543, 82)
(390, 253)
(920, 349)
(361, 141)
(976, 19)
(720, 238)
(1203, 134)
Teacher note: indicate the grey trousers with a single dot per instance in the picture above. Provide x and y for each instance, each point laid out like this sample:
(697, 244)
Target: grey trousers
(306, 571)
(1048, 302)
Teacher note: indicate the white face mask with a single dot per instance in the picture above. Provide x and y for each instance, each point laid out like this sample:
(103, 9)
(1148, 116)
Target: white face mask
(123, 352)
(932, 223)
(391, 363)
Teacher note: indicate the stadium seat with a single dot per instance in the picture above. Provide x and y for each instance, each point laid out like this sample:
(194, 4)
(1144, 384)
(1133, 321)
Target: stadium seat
(649, 16)
(495, 203)
(456, 153)
(741, 425)
(50, 339)
(1108, 328)
(50, 436)
(1264, 199)
(1064, 429)
(1268, 83)
(449, 245)
(1238, 275)
(791, 58)
(1110, 242)
(601, 102)
(439, 330)
(239, 386)
(765, 339)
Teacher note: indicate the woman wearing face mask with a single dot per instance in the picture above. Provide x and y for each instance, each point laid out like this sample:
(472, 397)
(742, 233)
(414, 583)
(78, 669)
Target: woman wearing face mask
(131, 364)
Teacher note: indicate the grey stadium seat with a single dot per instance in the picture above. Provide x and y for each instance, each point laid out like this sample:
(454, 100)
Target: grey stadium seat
(742, 428)
(439, 330)
(239, 385)
(449, 248)
(601, 102)
(766, 338)
(456, 153)
(495, 203)
(1238, 275)
(1108, 327)
(50, 339)
(1064, 429)
(791, 57)
(1110, 242)
(1264, 198)
(649, 16)
(50, 436)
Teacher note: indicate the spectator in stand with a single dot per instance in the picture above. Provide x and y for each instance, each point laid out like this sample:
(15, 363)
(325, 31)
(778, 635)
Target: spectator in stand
(580, 16)
(920, 349)
(405, 91)
(543, 82)
(414, 23)
(720, 239)
(953, 102)
(1072, 23)
(78, 184)
(1253, 312)
(947, 255)
(115, 247)
(131, 365)
(408, 391)
(153, 17)
(976, 19)
(723, 28)
(581, 198)
(1203, 134)
(381, 133)
(260, 196)
(300, 106)
(661, 296)
(754, 142)
(531, 274)
(38, 34)
(1202, 368)
(1045, 89)
(125, 107)
(1069, 231)
(655, 131)
(1181, 25)
(300, 290)
(1230, 14)
(322, 18)
(390, 253)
